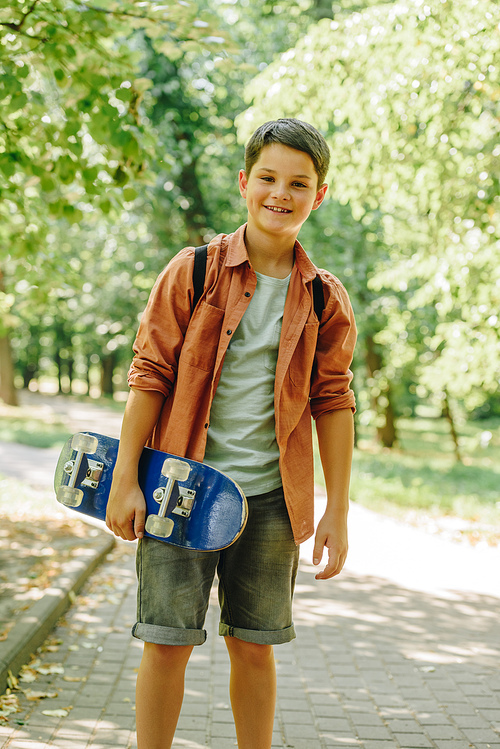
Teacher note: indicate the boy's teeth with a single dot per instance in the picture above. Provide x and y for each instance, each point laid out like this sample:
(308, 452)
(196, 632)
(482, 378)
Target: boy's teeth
(278, 210)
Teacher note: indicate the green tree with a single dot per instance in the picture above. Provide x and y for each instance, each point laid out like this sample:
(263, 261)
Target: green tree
(73, 140)
(408, 97)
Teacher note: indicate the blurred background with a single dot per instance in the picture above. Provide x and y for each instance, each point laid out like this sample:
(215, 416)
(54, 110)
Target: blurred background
(122, 130)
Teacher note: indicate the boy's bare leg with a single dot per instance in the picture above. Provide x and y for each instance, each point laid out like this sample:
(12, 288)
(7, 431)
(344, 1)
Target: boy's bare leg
(253, 692)
(159, 694)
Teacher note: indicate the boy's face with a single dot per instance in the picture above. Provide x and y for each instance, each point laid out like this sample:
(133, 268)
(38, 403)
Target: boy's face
(281, 191)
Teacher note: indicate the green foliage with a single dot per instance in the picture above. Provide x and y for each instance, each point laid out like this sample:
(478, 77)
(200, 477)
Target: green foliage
(92, 314)
(75, 151)
(194, 100)
(72, 136)
(408, 97)
(80, 288)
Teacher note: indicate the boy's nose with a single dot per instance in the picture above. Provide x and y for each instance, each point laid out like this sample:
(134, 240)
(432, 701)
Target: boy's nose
(280, 191)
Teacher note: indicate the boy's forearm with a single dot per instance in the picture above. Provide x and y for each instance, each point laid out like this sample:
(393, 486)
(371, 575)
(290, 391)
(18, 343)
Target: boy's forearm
(141, 414)
(336, 441)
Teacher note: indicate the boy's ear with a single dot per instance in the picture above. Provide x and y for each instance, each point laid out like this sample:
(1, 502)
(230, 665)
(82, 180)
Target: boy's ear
(320, 196)
(243, 182)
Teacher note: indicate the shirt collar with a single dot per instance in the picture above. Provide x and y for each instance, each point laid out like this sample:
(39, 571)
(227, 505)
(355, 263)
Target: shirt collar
(237, 254)
(303, 263)
(236, 250)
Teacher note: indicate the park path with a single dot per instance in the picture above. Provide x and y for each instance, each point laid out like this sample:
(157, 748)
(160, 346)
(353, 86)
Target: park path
(402, 650)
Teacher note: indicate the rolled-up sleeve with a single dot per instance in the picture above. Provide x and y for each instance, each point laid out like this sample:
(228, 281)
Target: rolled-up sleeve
(330, 384)
(163, 326)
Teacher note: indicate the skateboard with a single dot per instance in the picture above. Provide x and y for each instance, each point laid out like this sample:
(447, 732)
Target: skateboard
(189, 504)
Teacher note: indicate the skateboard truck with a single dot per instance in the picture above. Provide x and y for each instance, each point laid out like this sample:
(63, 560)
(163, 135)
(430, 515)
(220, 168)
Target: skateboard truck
(81, 470)
(94, 472)
(184, 503)
(175, 470)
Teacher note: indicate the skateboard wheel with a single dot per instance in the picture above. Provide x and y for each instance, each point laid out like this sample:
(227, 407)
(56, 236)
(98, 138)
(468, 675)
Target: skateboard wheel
(176, 469)
(84, 443)
(161, 527)
(69, 496)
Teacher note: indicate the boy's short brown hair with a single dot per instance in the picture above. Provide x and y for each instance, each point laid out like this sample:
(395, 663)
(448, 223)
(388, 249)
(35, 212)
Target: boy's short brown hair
(293, 133)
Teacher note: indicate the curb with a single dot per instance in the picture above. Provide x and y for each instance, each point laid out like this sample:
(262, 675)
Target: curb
(37, 622)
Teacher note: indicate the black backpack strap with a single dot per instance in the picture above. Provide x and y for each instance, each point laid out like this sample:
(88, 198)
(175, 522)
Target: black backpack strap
(318, 298)
(199, 271)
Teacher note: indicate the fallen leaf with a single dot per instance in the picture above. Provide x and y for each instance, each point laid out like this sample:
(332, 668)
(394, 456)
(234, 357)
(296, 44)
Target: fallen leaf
(60, 713)
(9, 703)
(27, 676)
(11, 680)
(74, 678)
(4, 633)
(50, 668)
(33, 695)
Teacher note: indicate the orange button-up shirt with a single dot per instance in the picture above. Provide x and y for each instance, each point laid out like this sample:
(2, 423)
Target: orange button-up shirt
(180, 354)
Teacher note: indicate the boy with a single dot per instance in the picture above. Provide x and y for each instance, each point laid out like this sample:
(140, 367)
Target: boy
(233, 382)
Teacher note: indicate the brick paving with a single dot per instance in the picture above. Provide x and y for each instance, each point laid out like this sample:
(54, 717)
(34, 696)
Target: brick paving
(401, 651)
(375, 665)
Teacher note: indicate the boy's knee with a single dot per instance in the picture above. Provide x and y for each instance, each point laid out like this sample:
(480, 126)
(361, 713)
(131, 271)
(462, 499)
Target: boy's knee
(249, 653)
(167, 655)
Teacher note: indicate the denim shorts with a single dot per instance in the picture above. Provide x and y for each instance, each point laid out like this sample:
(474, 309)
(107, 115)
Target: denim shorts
(256, 583)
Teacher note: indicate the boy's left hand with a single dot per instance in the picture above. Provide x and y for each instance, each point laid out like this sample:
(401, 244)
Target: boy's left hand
(332, 533)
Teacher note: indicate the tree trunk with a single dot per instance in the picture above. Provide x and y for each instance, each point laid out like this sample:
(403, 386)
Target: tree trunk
(448, 415)
(58, 363)
(71, 371)
(8, 392)
(387, 432)
(107, 370)
(381, 403)
(196, 214)
(88, 373)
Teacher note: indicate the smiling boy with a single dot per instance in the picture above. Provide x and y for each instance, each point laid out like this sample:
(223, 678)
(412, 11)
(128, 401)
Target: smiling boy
(234, 382)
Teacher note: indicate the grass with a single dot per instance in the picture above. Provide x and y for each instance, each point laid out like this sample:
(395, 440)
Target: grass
(39, 425)
(422, 474)
(33, 431)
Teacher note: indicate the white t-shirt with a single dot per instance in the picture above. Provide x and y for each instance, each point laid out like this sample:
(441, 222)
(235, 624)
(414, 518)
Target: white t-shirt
(241, 439)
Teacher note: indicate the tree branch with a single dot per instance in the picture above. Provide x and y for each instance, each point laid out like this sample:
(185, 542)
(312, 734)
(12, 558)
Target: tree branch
(119, 13)
(18, 26)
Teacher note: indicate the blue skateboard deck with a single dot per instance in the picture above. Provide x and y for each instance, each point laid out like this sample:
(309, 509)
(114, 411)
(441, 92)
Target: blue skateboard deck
(189, 504)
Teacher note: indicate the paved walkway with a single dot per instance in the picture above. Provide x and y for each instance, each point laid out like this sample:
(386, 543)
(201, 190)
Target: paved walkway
(402, 650)
(374, 665)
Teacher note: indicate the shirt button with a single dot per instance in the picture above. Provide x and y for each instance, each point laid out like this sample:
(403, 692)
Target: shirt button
(247, 294)
(229, 332)
(206, 425)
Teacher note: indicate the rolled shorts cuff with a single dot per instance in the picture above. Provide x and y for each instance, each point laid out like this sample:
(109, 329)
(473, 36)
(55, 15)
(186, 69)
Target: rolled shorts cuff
(258, 637)
(168, 635)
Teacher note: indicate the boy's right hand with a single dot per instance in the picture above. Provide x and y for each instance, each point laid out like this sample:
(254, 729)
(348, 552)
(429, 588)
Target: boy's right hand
(126, 511)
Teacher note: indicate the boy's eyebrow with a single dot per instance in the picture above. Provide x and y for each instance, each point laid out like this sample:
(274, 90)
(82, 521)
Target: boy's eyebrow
(273, 171)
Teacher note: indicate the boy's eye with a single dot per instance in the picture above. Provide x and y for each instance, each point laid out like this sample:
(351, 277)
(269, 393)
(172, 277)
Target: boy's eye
(267, 178)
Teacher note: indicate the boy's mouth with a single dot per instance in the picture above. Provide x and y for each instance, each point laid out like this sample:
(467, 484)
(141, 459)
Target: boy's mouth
(276, 209)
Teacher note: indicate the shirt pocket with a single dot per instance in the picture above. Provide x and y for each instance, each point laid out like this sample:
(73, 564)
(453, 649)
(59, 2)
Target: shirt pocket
(302, 360)
(202, 337)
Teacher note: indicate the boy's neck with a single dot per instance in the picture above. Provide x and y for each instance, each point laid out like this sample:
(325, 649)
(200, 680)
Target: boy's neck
(269, 256)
